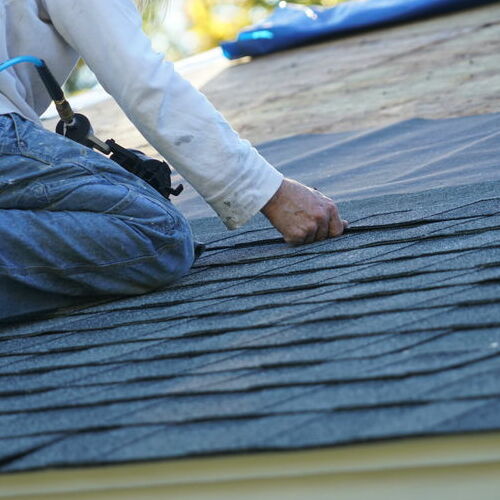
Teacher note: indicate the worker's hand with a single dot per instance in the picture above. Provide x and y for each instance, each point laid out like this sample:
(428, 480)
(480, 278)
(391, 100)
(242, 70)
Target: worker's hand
(303, 215)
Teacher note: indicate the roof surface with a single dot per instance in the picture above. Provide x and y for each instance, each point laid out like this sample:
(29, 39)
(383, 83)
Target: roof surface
(391, 330)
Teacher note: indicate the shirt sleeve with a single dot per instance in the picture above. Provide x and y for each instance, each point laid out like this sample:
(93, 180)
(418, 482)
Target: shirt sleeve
(176, 119)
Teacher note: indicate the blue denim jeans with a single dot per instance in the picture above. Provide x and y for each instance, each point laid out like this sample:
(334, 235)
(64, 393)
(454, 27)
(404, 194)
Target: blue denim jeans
(73, 223)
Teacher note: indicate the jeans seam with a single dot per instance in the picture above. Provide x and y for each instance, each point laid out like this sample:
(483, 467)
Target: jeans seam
(25, 270)
(16, 130)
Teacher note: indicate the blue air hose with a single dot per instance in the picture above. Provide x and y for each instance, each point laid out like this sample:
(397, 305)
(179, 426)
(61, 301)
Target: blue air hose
(16, 60)
(53, 88)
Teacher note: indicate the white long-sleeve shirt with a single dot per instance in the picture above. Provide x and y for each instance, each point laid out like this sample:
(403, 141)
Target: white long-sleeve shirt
(175, 118)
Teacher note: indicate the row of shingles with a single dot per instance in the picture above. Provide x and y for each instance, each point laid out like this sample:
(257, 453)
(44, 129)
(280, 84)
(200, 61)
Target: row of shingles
(163, 407)
(293, 431)
(414, 355)
(459, 201)
(264, 367)
(128, 437)
(227, 431)
(283, 390)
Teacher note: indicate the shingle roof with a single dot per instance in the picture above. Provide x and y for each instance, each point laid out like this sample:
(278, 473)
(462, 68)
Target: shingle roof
(391, 330)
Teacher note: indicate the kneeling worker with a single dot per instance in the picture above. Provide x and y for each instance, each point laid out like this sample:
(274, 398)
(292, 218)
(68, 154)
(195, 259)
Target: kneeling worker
(73, 222)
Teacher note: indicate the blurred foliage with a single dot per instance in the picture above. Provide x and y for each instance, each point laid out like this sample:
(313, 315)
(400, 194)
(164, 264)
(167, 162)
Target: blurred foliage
(213, 21)
(74, 83)
(155, 17)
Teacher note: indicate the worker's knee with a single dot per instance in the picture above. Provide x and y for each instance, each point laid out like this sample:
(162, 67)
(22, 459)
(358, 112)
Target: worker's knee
(166, 241)
(170, 262)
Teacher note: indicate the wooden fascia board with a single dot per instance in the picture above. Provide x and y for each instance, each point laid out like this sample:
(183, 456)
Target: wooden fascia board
(453, 465)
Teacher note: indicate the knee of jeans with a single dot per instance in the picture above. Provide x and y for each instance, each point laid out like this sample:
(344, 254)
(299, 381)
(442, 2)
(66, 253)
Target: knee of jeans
(172, 258)
(172, 261)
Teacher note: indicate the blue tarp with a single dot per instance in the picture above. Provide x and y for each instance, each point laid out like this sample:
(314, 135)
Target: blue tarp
(293, 24)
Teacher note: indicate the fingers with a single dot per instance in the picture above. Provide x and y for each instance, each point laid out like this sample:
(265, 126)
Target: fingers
(300, 236)
(320, 225)
(336, 224)
(326, 224)
(310, 237)
(322, 230)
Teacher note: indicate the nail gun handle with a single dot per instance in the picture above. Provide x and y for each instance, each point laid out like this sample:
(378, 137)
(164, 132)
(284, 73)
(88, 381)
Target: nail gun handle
(155, 172)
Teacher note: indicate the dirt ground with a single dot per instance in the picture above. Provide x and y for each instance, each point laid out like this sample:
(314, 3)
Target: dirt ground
(441, 67)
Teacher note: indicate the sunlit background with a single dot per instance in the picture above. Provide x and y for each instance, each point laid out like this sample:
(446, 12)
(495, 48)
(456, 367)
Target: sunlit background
(181, 28)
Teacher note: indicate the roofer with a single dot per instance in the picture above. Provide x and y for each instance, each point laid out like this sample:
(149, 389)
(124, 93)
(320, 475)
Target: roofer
(72, 221)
